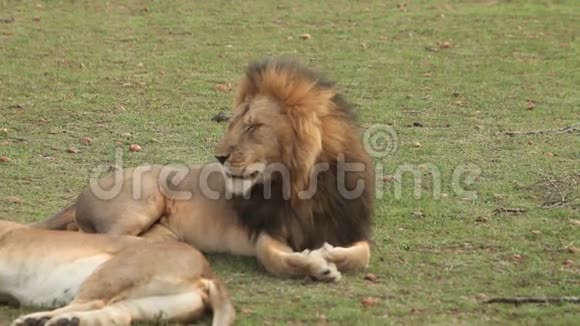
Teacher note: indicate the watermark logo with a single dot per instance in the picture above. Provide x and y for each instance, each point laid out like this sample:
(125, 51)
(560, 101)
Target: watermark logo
(379, 140)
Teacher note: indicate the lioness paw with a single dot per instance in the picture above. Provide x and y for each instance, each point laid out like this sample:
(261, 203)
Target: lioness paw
(31, 320)
(64, 321)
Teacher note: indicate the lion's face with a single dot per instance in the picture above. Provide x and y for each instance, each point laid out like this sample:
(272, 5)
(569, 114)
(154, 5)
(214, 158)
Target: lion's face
(253, 143)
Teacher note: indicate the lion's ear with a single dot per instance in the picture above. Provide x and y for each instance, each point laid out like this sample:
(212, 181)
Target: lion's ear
(245, 89)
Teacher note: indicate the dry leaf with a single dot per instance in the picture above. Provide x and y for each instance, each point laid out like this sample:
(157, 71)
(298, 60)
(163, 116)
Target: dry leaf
(134, 148)
(481, 219)
(371, 277)
(86, 141)
(573, 250)
(369, 301)
(481, 297)
(568, 263)
(575, 222)
(417, 214)
(36, 18)
(530, 105)
(72, 150)
(549, 154)
(427, 74)
(445, 45)
(223, 87)
(416, 144)
(4, 130)
(126, 135)
(305, 36)
(530, 142)
(14, 200)
(4, 159)
(516, 258)
(536, 232)
(388, 178)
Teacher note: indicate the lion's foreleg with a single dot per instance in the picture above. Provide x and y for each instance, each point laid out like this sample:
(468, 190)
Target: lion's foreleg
(353, 258)
(279, 259)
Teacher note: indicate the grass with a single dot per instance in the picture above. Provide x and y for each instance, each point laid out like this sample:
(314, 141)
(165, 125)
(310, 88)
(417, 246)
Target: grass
(99, 69)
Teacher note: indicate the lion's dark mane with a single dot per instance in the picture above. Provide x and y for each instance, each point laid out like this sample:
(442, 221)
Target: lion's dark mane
(328, 216)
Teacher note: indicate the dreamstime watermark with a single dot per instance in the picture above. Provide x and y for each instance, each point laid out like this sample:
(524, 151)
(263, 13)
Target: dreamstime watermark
(182, 182)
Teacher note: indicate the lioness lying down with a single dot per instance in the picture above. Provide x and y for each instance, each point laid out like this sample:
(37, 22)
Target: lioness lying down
(106, 280)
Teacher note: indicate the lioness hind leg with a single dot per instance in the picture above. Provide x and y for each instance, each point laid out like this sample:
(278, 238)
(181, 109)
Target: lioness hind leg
(184, 307)
(40, 318)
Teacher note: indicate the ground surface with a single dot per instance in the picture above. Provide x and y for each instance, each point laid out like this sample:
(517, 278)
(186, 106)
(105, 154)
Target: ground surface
(451, 78)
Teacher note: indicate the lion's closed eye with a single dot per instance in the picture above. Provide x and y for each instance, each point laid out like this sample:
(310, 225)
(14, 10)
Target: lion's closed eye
(253, 126)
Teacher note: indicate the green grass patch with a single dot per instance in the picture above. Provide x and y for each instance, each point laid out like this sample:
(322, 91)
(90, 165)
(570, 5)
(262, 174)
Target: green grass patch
(99, 69)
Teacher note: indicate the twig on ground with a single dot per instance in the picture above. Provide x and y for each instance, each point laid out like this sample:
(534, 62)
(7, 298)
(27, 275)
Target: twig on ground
(508, 210)
(522, 300)
(7, 20)
(558, 204)
(574, 127)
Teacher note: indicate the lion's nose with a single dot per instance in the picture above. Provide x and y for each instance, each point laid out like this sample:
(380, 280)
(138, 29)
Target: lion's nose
(222, 158)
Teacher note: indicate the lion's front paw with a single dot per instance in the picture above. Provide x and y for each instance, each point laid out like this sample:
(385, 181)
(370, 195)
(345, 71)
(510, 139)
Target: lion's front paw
(323, 252)
(322, 270)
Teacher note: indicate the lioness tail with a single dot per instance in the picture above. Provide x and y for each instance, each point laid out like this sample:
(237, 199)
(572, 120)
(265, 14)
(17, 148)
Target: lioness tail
(221, 304)
(63, 220)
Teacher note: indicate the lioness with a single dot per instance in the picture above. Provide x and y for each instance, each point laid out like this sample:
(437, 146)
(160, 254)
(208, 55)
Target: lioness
(293, 186)
(106, 280)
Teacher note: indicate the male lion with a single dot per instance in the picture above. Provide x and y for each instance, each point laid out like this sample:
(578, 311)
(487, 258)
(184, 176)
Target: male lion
(111, 280)
(294, 186)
